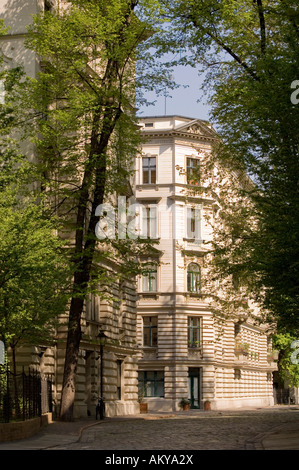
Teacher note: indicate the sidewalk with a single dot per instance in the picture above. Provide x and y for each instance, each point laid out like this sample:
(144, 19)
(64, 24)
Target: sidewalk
(54, 434)
(283, 437)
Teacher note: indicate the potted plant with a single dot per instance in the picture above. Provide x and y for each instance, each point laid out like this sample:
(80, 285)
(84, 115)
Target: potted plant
(184, 404)
(272, 355)
(241, 348)
(143, 406)
(207, 405)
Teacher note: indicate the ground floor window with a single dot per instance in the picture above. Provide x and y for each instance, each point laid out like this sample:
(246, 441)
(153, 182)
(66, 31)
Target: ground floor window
(194, 386)
(119, 378)
(151, 383)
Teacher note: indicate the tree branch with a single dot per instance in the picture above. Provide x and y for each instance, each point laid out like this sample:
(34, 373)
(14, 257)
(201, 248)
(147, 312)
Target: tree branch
(226, 48)
(235, 56)
(262, 24)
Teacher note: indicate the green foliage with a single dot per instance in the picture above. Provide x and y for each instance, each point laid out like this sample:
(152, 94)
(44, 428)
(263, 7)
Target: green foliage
(249, 51)
(289, 371)
(85, 128)
(87, 138)
(34, 275)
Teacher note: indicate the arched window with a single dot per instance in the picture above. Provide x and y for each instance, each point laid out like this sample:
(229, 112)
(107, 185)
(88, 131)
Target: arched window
(193, 278)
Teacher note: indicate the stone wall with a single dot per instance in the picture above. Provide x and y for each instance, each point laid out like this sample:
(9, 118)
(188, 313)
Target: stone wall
(23, 429)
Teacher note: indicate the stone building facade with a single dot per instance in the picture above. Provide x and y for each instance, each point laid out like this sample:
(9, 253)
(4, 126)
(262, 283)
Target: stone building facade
(176, 350)
(184, 351)
(117, 368)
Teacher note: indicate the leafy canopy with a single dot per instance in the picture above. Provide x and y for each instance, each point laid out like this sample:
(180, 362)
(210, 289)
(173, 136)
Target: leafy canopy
(249, 52)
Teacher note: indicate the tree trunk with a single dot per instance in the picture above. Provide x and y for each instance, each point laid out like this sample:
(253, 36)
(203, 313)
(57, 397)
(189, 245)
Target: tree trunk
(86, 252)
(71, 360)
(106, 114)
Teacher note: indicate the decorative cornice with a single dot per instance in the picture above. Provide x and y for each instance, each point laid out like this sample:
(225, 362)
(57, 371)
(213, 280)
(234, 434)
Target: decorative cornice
(194, 129)
(173, 133)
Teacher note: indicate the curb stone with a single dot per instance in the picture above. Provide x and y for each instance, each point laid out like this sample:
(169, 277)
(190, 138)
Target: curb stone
(258, 442)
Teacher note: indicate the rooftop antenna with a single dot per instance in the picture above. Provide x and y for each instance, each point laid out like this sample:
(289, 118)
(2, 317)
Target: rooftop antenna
(165, 98)
(165, 95)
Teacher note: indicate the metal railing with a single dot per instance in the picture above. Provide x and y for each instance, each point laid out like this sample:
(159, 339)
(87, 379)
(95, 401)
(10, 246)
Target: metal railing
(23, 396)
(281, 396)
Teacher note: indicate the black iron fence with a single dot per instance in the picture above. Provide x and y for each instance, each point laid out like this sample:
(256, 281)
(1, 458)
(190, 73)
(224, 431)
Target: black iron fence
(23, 396)
(282, 396)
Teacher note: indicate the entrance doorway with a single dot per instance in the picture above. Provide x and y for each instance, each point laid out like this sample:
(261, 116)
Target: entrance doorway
(194, 387)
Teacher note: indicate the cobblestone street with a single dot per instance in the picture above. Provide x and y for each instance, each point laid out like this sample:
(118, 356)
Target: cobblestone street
(195, 430)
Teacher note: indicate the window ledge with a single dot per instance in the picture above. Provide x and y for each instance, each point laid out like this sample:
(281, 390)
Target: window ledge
(149, 294)
(147, 186)
(159, 397)
(147, 198)
(153, 239)
(196, 352)
(194, 294)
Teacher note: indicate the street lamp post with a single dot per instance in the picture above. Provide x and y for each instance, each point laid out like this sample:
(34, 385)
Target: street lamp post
(100, 409)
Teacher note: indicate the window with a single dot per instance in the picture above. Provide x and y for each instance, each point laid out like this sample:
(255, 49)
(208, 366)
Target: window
(49, 5)
(149, 279)
(149, 124)
(149, 221)
(92, 307)
(193, 223)
(193, 278)
(149, 170)
(151, 383)
(150, 328)
(193, 171)
(118, 378)
(194, 332)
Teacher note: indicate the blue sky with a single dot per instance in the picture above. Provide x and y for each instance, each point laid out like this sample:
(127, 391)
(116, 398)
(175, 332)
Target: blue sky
(184, 101)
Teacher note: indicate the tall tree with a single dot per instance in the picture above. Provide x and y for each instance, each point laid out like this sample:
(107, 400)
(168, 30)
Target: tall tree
(34, 283)
(88, 139)
(34, 274)
(249, 50)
